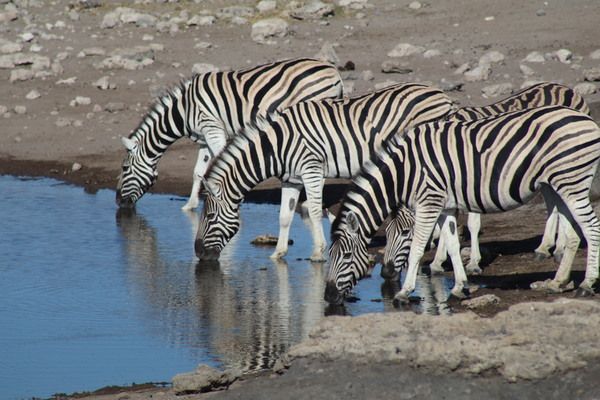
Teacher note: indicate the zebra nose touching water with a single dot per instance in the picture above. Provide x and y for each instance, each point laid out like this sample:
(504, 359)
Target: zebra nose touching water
(210, 109)
(303, 145)
(489, 165)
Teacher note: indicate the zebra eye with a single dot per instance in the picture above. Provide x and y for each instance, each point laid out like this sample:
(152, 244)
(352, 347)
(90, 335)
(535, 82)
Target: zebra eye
(211, 215)
(405, 232)
(347, 256)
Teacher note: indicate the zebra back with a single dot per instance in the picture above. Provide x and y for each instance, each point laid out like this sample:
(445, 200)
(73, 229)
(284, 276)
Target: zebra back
(538, 95)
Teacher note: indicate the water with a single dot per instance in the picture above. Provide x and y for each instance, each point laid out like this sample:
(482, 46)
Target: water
(92, 297)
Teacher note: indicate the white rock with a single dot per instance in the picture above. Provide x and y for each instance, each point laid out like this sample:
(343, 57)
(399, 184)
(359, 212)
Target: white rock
(63, 122)
(462, 69)
(491, 57)
(534, 57)
(564, 56)
(21, 75)
(20, 110)
(367, 75)
(585, 88)
(104, 84)
(201, 20)
(405, 49)
(239, 21)
(313, 10)
(80, 101)
(354, 4)
(481, 301)
(415, 5)
(595, 55)
(60, 24)
(27, 36)
(479, 73)
(110, 20)
(203, 45)
(7, 47)
(8, 15)
(327, 53)
(203, 68)
(76, 167)
(3, 110)
(73, 15)
(266, 5)
(140, 19)
(526, 70)
(265, 29)
(35, 48)
(496, 90)
(432, 53)
(32, 95)
(592, 74)
(69, 81)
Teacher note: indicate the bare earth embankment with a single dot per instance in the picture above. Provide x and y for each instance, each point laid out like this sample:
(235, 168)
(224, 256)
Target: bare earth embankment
(75, 75)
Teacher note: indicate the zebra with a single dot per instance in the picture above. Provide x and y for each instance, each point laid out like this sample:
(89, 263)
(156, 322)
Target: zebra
(489, 165)
(210, 109)
(302, 145)
(538, 95)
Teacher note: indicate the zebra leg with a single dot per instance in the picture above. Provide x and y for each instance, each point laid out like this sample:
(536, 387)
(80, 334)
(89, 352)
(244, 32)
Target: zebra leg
(289, 199)
(548, 240)
(441, 253)
(425, 218)
(313, 183)
(450, 231)
(474, 225)
(561, 238)
(199, 171)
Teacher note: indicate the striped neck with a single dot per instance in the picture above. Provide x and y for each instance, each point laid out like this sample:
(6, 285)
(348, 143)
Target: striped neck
(163, 124)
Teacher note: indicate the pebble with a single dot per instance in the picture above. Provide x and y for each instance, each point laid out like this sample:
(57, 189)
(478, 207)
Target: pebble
(534, 57)
(76, 167)
(20, 110)
(63, 122)
(80, 101)
(113, 107)
(479, 73)
(462, 69)
(405, 49)
(526, 70)
(395, 66)
(104, 84)
(21, 75)
(328, 54)
(541, 12)
(32, 95)
(592, 74)
(203, 68)
(314, 10)
(415, 5)
(264, 6)
(496, 90)
(595, 55)
(201, 20)
(3, 109)
(203, 45)
(432, 53)
(564, 56)
(367, 75)
(354, 4)
(585, 88)
(27, 36)
(68, 81)
(91, 51)
(265, 29)
(450, 86)
(491, 57)
(481, 301)
(7, 47)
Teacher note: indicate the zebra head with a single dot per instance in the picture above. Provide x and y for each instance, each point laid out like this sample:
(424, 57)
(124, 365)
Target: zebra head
(137, 175)
(219, 222)
(348, 259)
(398, 235)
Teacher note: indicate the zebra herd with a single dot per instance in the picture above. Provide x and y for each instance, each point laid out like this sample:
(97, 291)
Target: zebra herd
(413, 158)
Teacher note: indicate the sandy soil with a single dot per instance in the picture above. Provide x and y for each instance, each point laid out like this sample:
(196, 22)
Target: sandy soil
(52, 135)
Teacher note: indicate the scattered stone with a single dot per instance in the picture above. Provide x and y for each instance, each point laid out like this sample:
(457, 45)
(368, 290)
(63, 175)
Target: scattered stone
(266, 240)
(585, 88)
(35, 48)
(541, 12)
(73, 15)
(201, 20)
(496, 90)
(63, 122)
(565, 56)
(395, 67)
(3, 110)
(20, 110)
(415, 5)
(239, 21)
(104, 84)
(367, 75)
(203, 45)
(139, 19)
(113, 107)
(327, 53)
(432, 53)
(450, 86)
(80, 101)
(203, 379)
(491, 57)
(21, 75)
(27, 36)
(462, 69)
(265, 6)
(534, 57)
(405, 49)
(481, 301)
(110, 20)
(384, 84)
(526, 70)
(203, 68)
(92, 51)
(32, 95)
(264, 30)
(68, 81)
(76, 167)
(592, 74)
(9, 15)
(595, 55)
(354, 4)
(235, 11)
(8, 47)
(313, 10)
(479, 73)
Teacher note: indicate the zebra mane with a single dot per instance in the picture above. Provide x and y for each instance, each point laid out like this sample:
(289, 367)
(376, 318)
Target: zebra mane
(162, 103)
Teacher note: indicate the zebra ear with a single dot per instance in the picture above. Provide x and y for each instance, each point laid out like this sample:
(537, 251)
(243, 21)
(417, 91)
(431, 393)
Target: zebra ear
(129, 144)
(352, 222)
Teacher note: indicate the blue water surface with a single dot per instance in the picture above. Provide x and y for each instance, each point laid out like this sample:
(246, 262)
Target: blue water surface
(92, 297)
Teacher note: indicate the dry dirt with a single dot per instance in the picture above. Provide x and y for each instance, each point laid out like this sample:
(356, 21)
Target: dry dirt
(52, 135)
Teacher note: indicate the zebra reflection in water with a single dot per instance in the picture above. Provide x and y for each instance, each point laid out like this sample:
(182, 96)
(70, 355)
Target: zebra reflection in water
(234, 309)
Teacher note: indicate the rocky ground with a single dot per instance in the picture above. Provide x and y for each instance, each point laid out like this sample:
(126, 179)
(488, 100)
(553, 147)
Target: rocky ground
(75, 75)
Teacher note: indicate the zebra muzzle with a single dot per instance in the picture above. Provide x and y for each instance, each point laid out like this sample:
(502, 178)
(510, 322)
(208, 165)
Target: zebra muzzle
(205, 253)
(388, 271)
(332, 294)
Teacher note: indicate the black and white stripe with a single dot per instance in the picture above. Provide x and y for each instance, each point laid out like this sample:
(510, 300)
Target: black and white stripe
(213, 107)
(488, 165)
(398, 231)
(303, 145)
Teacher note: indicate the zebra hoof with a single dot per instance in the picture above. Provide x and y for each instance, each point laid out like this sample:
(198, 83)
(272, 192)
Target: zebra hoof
(474, 270)
(461, 293)
(584, 291)
(436, 269)
(540, 255)
(400, 299)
